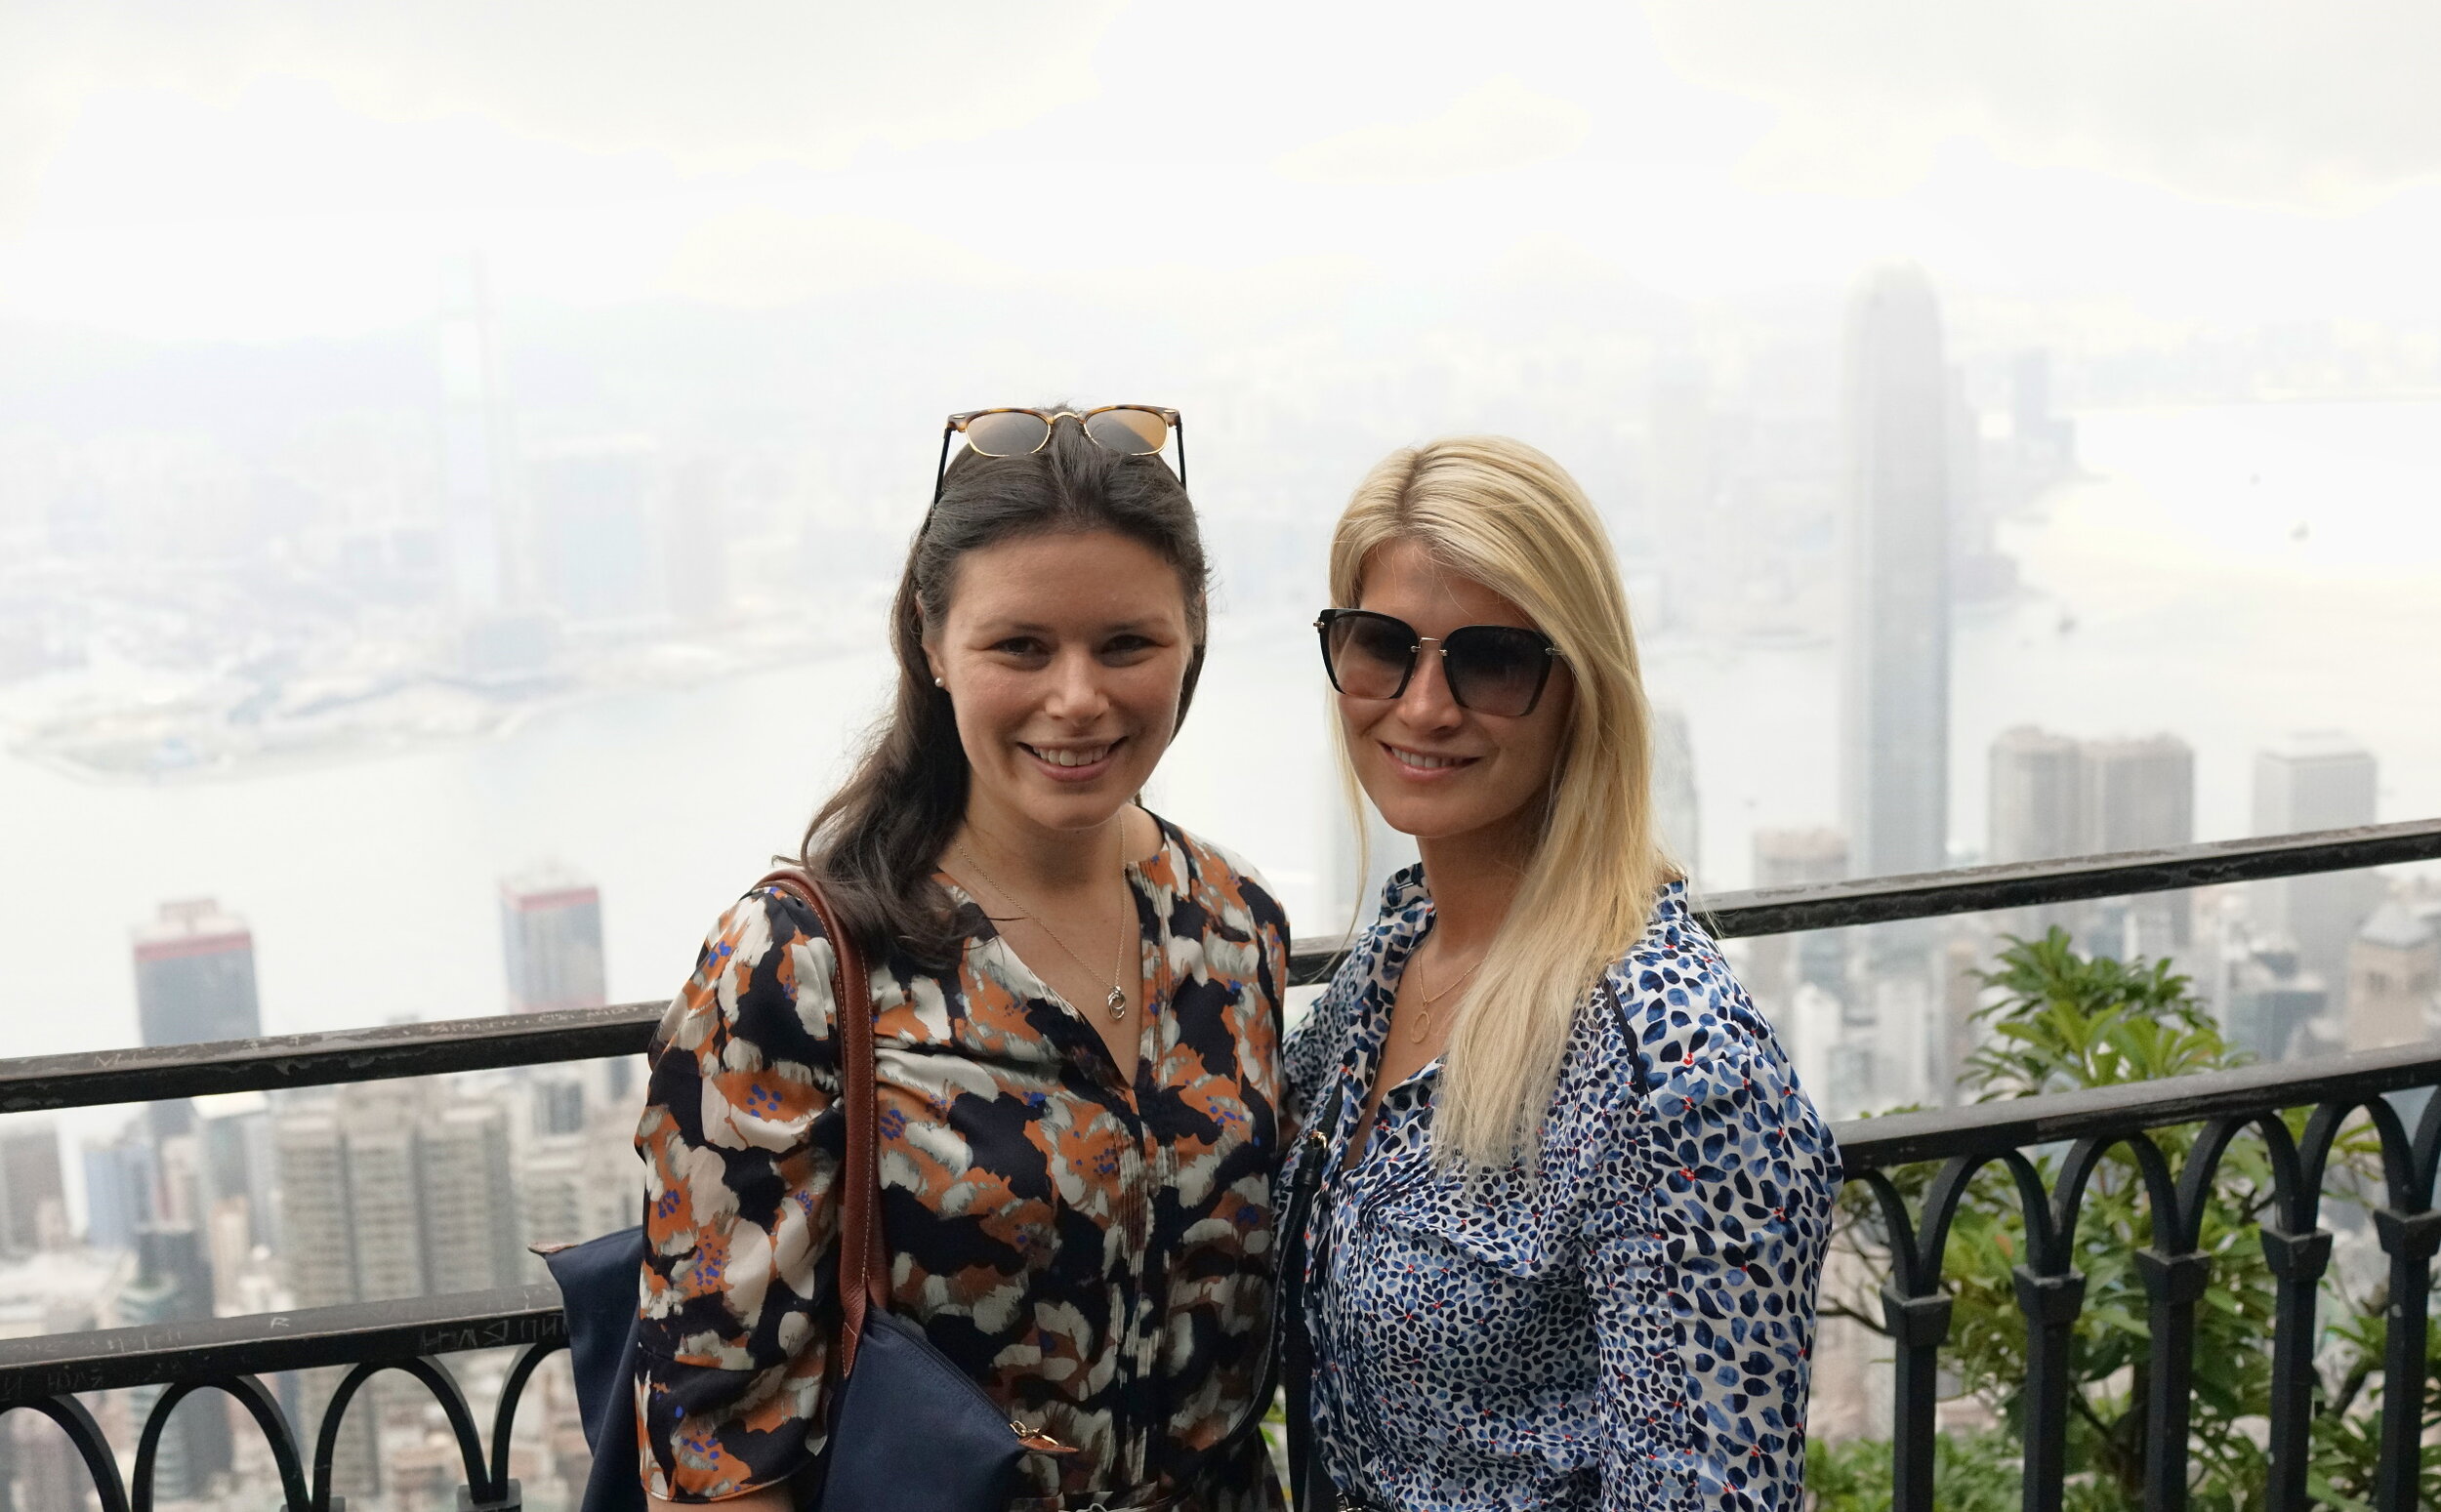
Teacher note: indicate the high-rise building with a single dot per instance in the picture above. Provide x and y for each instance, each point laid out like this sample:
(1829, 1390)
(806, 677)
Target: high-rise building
(1779, 966)
(2394, 979)
(2038, 810)
(1675, 811)
(1894, 740)
(174, 1285)
(598, 519)
(384, 1198)
(474, 443)
(396, 1194)
(317, 1242)
(234, 1139)
(318, 1252)
(194, 976)
(550, 928)
(2321, 780)
(120, 1178)
(574, 1187)
(694, 543)
(469, 1216)
(2140, 795)
(33, 1197)
(2273, 1006)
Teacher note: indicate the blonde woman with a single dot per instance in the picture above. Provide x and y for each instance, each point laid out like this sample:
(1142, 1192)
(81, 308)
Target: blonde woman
(1572, 1203)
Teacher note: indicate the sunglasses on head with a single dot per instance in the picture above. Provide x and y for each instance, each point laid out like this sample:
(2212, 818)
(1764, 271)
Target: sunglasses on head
(1130, 430)
(1491, 669)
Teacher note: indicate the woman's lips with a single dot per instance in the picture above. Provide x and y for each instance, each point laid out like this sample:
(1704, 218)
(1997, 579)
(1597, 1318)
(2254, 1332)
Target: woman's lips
(1424, 766)
(1073, 764)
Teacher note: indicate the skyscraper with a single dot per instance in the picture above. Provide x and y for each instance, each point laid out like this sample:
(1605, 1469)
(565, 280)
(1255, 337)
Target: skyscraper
(2140, 795)
(194, 982)
(2036, 796)
(2320, 780)
(33, 1199)
(1675, 811)
(1895, 763)
(2394, 979)
(173, 1284)
(1778, 964)
(120, 1176)
(474, 441)
(396, 1194)
(550, 928)
(469, 1216)
(194, 976)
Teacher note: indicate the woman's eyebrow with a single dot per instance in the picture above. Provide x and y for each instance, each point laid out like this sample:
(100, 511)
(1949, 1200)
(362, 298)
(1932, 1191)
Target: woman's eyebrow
(994, 628)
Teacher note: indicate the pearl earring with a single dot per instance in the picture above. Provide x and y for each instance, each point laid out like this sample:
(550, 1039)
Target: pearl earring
(939, 683)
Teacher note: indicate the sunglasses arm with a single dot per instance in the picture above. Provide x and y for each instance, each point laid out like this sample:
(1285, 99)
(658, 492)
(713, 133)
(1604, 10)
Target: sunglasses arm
(940, 474)
(1178, 426)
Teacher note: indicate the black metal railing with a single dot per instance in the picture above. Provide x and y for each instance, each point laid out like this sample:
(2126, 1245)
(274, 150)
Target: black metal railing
(230, 1354)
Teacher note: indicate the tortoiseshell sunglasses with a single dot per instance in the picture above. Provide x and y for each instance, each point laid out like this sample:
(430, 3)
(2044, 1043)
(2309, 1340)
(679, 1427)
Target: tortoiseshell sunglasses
(1130, 430)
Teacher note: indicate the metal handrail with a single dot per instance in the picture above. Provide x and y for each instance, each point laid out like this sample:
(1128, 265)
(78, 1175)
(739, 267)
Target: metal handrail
(45, 1365)
(100, 1077)
(43, 1374)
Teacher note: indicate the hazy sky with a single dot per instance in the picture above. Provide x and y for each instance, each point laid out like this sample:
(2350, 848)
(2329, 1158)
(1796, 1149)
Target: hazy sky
(214, 167)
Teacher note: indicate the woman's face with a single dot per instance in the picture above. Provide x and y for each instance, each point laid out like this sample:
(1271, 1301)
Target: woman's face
(1063, 655)
(1436, 770)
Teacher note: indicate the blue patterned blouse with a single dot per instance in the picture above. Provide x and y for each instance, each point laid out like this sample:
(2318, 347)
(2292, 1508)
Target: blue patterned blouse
(1632, 1333)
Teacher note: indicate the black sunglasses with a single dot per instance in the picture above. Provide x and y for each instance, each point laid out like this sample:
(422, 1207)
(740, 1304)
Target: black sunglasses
(1130, 430)
(1492, 669)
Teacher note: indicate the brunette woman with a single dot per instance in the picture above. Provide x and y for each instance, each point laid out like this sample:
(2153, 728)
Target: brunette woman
(1573, 1205)
(1075, 1022)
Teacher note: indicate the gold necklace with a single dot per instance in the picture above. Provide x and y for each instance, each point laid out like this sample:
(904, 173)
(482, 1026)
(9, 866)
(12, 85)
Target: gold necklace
(1117, 1002)
(1424, 1016)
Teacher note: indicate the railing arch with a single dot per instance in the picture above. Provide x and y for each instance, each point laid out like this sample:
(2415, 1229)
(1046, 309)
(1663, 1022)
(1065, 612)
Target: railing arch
(228, 1354)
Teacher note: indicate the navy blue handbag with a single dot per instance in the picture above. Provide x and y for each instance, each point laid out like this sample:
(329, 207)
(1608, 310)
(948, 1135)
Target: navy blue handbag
(910, 1431)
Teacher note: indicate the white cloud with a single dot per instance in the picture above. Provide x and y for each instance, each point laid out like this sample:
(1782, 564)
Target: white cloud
(757, 257)
(717, 86)
(2263, 102)
(1494, 127)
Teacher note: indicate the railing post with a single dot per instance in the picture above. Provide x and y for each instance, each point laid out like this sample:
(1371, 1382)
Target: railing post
(1918, 1327)
(2299, 1260)
(2409, 1239)
(2173, 1284)
(2051, 1304)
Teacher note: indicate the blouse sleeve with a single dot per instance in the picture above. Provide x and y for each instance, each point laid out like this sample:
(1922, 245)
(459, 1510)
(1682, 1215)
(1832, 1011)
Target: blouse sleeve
(1704, 1272)
(742, 1140)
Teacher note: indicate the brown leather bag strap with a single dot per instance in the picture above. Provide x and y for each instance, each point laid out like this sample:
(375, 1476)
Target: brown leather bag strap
(863, 1270)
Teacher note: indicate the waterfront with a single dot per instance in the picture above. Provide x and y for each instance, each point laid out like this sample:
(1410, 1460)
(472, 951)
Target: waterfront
(2190, 601)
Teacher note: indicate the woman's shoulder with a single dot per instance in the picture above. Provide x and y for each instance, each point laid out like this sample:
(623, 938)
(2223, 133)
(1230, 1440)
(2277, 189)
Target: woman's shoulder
(1220, 877)
(766, 959)
(1670, 1001)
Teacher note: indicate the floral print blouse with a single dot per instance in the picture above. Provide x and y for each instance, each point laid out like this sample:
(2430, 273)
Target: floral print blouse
(1630, 1330)
(1093, 1251)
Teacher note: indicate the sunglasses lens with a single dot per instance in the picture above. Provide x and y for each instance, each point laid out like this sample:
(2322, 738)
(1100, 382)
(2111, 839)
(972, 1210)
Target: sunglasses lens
(1369, 654)
(1136, 432)
(1496, 670)
(1007, 433)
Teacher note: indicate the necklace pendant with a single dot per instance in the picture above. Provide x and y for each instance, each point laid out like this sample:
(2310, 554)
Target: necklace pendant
(1117, 1002)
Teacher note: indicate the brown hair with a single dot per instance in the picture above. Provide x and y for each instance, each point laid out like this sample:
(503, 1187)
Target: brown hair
(876, 841)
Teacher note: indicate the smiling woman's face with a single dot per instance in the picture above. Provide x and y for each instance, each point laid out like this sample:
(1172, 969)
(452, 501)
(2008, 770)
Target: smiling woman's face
(1063, 655)
(1436, 770)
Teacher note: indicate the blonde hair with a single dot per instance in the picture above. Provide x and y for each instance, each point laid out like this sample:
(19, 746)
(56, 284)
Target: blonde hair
(1504, 514)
